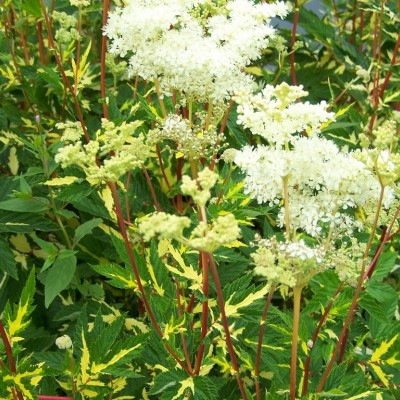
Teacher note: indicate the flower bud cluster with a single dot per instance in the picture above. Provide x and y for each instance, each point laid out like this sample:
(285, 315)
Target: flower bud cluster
(287, 263)
(67, 31)
(199, 189)
(204, 237)
(195, 47)
(114, 152)
(192, 141)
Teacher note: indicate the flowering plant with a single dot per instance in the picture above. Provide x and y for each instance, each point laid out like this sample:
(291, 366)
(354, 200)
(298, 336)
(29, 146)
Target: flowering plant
(199, 202)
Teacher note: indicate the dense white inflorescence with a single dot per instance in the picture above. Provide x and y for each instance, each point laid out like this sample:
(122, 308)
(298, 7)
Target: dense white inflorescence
(198, 48)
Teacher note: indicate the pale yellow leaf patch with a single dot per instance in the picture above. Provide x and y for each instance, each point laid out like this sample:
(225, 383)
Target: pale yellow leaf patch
(66, 180)
(382, 376)
(361, 395)
(232, 309)
(382, 349)
(107, 197)
(159, 289)
(186, 384)
(13, 162)
(20, 242)
(85, 360)
(100, 367)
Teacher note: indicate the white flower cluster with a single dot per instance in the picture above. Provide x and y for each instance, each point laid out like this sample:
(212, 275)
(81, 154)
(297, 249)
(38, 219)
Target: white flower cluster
(196, 47)
(287, 263)
(322, 182)
(114, 152)
(64, 342)
(276, 115)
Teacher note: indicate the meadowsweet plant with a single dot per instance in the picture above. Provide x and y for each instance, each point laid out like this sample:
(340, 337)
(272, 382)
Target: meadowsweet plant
(198, 201)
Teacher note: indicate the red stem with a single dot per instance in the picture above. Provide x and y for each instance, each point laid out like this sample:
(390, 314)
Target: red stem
(128, 247)
(10, 358)
(351, 312)
(225, 324)
(260, 342)
(183, 339)
(106, 4)
(315, 337)
(151, 187)
(63, 74)
(292, 41)
(204, 314)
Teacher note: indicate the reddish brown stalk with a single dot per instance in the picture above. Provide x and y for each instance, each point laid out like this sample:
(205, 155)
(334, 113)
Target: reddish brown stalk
(128, 247)
(179, 200)
(183, 339)
(21, 36)
(225, 324)
(377, 57)
(221, 129)
(352, 309)
(161, 162)
(106, 4)
(353, 23)
(389, 72)
(315, 337)
(127, 206)
(260, 342)
(292, 41)
(10, 358)
(204, 315)
(42, 55)
(151, 188)
(362, 15)
(63, 74)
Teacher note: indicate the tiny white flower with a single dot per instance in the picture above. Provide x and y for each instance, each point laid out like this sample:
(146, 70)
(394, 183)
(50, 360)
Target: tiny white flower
(310, 344)
(64, 342)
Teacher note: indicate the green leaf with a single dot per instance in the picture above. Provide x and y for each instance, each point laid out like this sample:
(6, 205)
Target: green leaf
(31, 205)
(17, 222)
(59, 277)
(384, 266)
(17, 317)
(315, 26)
(120, 277)
(85, 229)
(7, 261)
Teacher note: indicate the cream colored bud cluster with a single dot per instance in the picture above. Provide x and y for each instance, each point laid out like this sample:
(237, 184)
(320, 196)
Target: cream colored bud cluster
(114, 152)
(204, 237)
(200, 188)
(116, 68)
(79, 3)
(287, 263)
(67, 31)
(347, 260)
(192, 141)
(382, 158)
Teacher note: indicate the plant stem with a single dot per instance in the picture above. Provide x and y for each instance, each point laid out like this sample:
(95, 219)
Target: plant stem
(160, 98)
(353, 305)
(260, 342)
(295, 339)
(128, 247)
(225, 324)
(292, 41)
(10, 358)
(315, 337)
(106, 4)
(63, 74)
(285, 181)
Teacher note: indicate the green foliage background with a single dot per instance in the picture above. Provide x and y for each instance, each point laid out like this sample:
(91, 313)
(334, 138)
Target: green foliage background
(64, 265)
